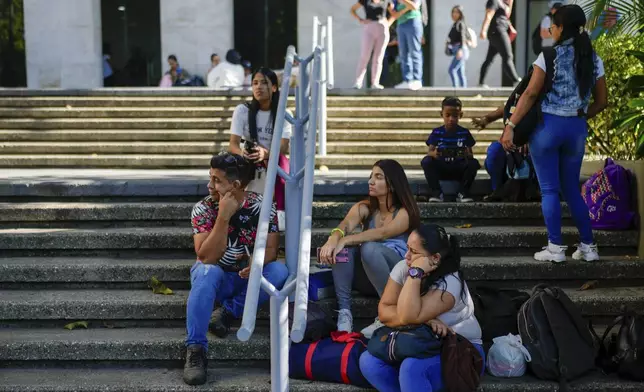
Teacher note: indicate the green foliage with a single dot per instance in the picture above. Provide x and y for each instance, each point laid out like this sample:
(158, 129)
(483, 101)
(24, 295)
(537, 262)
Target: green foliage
(605, 136)
(631, 14)
(631, 123)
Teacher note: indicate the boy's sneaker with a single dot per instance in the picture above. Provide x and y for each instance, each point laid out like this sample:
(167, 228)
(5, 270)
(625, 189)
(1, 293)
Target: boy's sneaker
(220, 322)
(436, 198)
(345, 320)
(415, 85)
(194, 371)
(461, 198)
(586, 252)
(552, 252)
(369, 330)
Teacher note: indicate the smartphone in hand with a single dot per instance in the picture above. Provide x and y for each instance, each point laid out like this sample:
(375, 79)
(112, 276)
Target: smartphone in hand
(342, 257)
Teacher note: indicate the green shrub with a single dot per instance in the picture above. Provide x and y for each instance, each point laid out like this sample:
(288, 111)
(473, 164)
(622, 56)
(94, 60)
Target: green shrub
(603, 138)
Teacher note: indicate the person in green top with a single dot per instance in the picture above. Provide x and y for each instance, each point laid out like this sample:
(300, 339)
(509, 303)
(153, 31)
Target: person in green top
(411, 16)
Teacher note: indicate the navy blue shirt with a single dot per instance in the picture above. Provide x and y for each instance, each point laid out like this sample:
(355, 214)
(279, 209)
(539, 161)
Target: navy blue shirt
(457, 138)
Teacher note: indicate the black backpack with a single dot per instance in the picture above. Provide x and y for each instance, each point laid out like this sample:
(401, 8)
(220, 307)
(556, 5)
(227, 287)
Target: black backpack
(533, 117)
(319, 323)
(517, 190)
(558, 339)
(624, 354)
(496, 310)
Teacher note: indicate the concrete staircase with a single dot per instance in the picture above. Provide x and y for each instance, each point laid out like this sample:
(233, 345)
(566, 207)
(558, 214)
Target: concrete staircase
(147, 128)
(81, 246)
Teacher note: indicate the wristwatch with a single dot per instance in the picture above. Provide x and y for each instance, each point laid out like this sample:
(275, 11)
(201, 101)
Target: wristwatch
(416, 272)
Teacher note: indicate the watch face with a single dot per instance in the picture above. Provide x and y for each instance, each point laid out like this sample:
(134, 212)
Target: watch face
(414, 273)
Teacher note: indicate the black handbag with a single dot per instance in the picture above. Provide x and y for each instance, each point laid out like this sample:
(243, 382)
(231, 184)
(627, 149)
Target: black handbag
(529, 123)
(624, 354)
(393, 345)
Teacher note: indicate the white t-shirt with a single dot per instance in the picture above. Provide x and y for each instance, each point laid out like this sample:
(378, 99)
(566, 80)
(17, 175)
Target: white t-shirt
(545, 24)
(599, 64)
(461, 317)
(239, 126)
(226, 75)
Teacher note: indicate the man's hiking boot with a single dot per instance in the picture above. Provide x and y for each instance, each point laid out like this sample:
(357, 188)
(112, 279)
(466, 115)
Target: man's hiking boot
(194, 371)
(220, 322)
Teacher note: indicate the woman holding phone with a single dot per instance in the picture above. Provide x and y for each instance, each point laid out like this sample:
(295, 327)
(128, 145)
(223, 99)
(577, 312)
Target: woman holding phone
(387, 216)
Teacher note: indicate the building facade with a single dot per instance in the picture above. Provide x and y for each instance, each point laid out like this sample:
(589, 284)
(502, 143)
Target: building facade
(64, 39)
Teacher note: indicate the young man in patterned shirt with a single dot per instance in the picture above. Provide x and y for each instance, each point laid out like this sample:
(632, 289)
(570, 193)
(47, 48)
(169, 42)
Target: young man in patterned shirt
(225, 225)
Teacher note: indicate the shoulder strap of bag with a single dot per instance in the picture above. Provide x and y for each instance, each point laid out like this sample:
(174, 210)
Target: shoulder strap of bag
(549, 55)
(567, 304)
(344, 362)
(252, 123)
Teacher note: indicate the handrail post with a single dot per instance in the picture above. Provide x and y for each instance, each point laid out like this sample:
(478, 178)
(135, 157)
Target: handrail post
(259, 252)
(302, 282)
(330, 78)
(322, 101)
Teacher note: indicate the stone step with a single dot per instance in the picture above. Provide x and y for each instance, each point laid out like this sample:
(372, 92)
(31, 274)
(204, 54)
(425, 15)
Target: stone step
(171, 211)
(75, 112)
(221, 134)
(478, 238)
(407, 135)
(153, 184)
(113, 135)
(160, 161)
(127, 344)
(198, 147)
(117, 123)
(172, 100)
(245, 378)
(105, 304)
(426, 124)
(350, 123)
(64, 270)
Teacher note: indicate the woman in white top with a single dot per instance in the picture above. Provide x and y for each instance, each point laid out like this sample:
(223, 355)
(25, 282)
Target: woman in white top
(253, 122)
(426, 287)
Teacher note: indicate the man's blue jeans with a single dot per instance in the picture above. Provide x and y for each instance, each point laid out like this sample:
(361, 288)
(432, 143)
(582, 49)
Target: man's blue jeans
(495, 165)
(557, 147)
(210, 283)
(410, 35)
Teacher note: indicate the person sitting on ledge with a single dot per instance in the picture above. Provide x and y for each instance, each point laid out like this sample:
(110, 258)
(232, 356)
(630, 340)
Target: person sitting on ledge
(225, 226)
(450, 155)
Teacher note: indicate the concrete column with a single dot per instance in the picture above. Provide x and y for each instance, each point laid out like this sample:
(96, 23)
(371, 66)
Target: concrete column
(193, 30)
(63, 43)
(347, 33)
(441, 22)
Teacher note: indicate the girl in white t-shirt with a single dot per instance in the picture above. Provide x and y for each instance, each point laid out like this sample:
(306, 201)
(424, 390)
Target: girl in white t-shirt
(426, 287)
(253, 124)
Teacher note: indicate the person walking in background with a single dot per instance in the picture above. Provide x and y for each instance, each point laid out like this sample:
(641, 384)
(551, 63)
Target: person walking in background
(411, 16)
(544, 28)
(458, 46)
(558, 144)
(108, 71)
(495, 30)
(375, 37)
(248, 73)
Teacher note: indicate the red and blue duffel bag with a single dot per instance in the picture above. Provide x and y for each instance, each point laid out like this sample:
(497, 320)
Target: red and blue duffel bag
(334, 359)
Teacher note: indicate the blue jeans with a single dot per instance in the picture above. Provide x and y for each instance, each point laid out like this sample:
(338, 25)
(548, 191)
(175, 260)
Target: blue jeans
(412, 375)
(557, 147)
(209, 283)
(495, 165)
(410, 34)
(377, 260)
(457, 67)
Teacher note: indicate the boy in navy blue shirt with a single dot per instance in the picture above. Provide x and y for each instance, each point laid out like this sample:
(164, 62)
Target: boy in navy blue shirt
(450, 155)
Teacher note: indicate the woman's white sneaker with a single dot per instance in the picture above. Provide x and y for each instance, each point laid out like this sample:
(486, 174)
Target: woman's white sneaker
(345, 320)
(586, 252)
(369, 330)
(552, 252)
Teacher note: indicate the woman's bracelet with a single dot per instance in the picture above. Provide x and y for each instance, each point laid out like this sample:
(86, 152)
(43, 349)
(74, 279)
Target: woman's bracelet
(338, 230)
